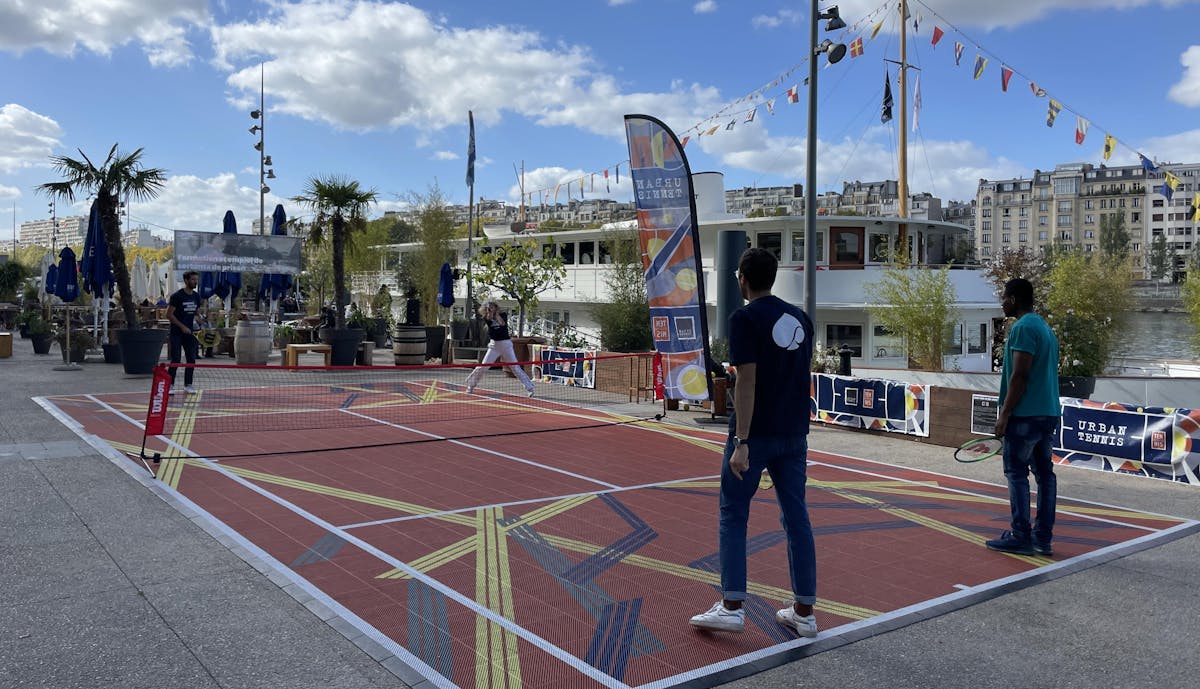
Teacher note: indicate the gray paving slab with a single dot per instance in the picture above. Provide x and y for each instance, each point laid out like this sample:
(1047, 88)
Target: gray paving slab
(116, 588)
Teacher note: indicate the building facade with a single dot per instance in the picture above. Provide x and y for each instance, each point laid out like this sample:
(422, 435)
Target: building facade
(51, 233)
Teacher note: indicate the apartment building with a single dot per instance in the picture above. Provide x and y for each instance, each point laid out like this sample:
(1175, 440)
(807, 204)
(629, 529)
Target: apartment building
(1173, 219)
(766, 199)
(68, 230)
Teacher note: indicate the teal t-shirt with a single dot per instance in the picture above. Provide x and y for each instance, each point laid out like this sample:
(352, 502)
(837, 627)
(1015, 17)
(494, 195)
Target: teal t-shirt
(1031, 334)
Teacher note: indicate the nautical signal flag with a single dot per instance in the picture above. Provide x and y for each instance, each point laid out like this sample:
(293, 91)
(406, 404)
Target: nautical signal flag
(1052, 113)
(1005, 74)
(1110, 143)
(1037, 90)
(980, 65)
(886, 115)
(1170, 184)
(793, 94)
(1147, 165)
(856, 47)
(606, 181)
(771, 106)
(917, 104)
(1081, 127)
(1195, 215)
(750, 115)
(937, 35)
(958, 51)
(875, 30)
(731, 125)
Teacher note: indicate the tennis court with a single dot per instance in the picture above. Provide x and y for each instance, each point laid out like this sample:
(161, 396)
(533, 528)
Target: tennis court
(492, 540)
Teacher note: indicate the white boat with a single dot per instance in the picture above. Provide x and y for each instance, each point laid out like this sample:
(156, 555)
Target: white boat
(848, 258)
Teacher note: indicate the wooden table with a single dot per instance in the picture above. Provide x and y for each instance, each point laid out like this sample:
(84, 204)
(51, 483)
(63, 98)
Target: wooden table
(291, 355)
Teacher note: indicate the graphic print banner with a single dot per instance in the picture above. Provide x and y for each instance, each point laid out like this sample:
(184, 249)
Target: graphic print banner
(882, 405)
(670, 245)
(1129, 439)
(251, 253)
(563, 366)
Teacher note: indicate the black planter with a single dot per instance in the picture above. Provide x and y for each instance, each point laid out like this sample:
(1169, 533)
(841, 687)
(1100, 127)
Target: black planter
(458, 330)
(141, 349)
(24, 332)
(435, 338)
(77, 355)
(112, 353)
(1079, 387)
(41, 343)
(345, 344)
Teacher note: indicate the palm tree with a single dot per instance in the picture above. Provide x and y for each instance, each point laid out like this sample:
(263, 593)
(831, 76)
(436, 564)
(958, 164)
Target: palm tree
(119, 173)
(341, 206)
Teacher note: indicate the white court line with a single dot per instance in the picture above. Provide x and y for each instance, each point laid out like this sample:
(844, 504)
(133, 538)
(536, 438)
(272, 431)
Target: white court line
(497, 619)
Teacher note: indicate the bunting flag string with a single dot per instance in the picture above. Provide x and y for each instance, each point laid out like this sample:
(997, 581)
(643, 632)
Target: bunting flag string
(980, 65)
(1109, 144)
(958, 53)
(1052, 112)
(1005, 74)
(937, 35)
(856, 47)
(917, 103)
(1081, 127)
(886, 114)
(771, 106)
(1195, 215)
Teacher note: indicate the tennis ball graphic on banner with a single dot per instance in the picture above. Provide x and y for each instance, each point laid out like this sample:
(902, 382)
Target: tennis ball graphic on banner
(685, 280)
(691, 383)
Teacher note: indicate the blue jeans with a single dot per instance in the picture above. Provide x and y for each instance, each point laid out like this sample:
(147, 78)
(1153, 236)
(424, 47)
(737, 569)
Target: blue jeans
(785, 459)
(1027, 442)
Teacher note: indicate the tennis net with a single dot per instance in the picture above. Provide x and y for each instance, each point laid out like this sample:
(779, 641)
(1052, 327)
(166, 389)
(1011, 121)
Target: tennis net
(245, 411)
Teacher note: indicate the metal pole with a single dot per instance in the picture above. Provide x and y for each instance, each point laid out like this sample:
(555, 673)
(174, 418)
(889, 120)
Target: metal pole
(810, 186)
(470, 246)
(262, 148)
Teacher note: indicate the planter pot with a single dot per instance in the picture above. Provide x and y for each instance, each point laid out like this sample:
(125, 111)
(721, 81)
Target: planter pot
(41, 343)
(720, 401)
(77, 355)
(24, 332)
(435, 339)
(141, 349)
(345, 344)
(1079, 387)
(381, 332)
(112, 353)
(459, 330)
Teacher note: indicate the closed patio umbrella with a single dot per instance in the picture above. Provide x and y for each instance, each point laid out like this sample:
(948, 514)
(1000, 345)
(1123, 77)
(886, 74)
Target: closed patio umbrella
(275, 285)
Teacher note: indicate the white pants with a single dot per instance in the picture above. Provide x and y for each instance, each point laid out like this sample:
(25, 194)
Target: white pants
(499, 350)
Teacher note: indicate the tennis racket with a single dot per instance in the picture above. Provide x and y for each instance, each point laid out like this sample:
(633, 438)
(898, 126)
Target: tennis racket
(978, 449)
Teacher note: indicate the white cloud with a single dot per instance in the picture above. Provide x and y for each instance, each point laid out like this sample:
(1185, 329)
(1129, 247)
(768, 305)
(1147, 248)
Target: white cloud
(780, 18)
(62, 27)
(9, 193)
(617, 3)
(27, 139)
(1187, 91)
(991, 15)
(705, 6)
(445, 155)
(545, 179)
(1181, 147)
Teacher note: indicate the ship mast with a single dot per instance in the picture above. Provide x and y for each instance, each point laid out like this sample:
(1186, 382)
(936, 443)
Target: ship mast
(902, 206)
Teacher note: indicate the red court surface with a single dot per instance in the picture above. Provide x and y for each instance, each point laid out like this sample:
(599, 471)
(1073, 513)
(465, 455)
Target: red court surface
(575, 558)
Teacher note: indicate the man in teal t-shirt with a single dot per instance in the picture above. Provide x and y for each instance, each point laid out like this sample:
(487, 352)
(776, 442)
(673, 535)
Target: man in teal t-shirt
(1029, 416)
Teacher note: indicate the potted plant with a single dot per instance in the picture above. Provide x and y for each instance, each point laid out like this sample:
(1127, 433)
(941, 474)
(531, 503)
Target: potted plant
(1082, 315)
(381, 309)
(119, 174)
(284, 335)
(340, 206)
(459, 327)
(80, 342)
(39, 333)
(23, 320)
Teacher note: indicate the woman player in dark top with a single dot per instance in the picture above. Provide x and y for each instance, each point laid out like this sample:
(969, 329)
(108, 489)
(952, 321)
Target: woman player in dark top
(499, 349)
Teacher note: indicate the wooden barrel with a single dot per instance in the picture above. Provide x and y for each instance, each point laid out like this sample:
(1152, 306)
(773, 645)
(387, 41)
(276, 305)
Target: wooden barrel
(408, 345)
(252, 342)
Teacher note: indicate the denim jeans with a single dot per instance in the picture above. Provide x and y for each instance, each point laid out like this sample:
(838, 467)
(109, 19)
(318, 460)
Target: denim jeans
(1027, 441)
(785, 459)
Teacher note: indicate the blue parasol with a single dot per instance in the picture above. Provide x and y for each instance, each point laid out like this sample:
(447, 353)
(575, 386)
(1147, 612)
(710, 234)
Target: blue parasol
(228, 284)
(445, 293)
(51, 281)
(66, 282)
(275, 285)
(95, 267)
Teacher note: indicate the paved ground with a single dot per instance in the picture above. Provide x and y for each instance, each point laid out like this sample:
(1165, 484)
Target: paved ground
(103, 584)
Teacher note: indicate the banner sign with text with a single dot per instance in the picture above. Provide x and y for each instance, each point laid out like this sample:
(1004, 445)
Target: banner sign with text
(1129, 439)
(237, 253)
(884, 405)
(670, 246)
(564, 366)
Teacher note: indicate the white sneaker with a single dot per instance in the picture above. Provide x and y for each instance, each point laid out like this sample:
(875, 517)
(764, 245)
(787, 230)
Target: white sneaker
(171, 392)
(470, 389)
(529, 392)
(720, 618)
(189, 389)
(804, 626)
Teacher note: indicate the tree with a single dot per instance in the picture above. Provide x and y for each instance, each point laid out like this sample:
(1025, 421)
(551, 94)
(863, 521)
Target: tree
(624, 317)
(519, 270)
(918, 305)
(1023, 262)
(317, 277)
(1158, 259)
(1114, 238)
(1086, 297)
(118, 174)
(435, 230)
(340, 206)
(12, 276)
(1191, 302)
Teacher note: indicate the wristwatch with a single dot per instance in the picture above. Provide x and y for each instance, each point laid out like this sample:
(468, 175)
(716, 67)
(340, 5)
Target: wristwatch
(738, 442)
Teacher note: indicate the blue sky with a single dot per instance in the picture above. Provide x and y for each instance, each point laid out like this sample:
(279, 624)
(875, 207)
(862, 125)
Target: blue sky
(380, 92)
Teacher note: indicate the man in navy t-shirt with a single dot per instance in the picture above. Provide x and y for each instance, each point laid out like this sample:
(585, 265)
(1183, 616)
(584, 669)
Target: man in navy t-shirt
(181, 311)
(770, 341)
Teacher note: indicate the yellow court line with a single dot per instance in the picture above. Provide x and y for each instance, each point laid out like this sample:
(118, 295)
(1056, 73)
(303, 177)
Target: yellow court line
(431, 561)
(171, 468)
(500, 666)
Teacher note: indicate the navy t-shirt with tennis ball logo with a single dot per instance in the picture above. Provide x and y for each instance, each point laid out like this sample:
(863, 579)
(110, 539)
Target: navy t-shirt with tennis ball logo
(778, 338)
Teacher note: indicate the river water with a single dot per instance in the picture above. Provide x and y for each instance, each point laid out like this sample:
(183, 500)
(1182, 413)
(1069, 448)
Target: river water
(1156, 335)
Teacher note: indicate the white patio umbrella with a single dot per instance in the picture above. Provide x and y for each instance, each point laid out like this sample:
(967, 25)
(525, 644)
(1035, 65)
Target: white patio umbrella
(47, 261)
(167, 277)
(154, 284)
(139, 279)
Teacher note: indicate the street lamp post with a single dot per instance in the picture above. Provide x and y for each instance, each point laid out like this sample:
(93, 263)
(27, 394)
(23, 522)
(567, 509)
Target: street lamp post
(835, 51)
(264, 161)
(53, 228)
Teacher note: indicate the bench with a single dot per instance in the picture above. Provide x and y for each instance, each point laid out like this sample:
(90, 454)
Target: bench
(291, 355)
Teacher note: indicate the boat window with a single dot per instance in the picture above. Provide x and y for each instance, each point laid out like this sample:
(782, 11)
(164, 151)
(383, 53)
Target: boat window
(606, 256)
(837, 335)
(771, 241)
(549, 251)
(587, 253)
(566, 252)
(798, 247)
(887, 345)
(879, 248)
(846, 249)
(952, 340)
(977, 338)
